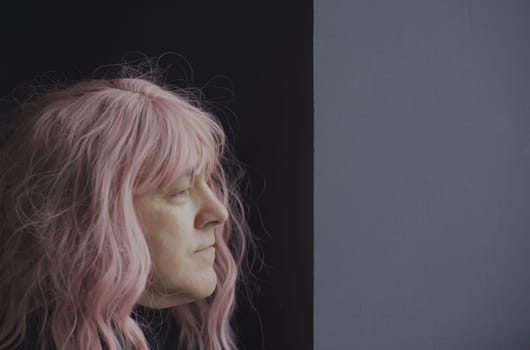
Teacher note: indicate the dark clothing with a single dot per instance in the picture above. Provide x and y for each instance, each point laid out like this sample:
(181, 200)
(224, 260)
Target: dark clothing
(162, 331)
(158, 326)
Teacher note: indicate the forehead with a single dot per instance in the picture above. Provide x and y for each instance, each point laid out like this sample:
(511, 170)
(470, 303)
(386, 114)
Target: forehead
(189, 173)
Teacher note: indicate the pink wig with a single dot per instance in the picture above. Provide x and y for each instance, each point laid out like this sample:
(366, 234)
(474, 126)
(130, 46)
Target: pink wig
(70, 242)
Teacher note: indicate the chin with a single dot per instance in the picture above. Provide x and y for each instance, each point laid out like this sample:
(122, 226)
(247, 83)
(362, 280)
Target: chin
(179, 294)
(207, 287)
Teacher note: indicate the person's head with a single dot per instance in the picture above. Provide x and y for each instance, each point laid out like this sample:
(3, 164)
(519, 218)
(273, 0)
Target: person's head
(108, 189)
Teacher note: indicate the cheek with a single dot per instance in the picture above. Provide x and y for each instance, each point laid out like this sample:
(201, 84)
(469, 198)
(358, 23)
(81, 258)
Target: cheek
(170, 257)
(163, 225)
(169, 234)
(170, 237)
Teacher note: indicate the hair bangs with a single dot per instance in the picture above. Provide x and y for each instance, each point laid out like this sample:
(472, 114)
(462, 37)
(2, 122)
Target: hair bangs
(187, 139)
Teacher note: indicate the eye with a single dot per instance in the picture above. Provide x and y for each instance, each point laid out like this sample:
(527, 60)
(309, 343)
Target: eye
(180, 194)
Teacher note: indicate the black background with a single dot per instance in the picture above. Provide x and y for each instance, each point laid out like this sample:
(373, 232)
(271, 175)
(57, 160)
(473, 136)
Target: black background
(254, 63)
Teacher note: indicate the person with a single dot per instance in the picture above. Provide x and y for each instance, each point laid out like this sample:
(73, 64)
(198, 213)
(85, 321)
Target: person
(121, 212)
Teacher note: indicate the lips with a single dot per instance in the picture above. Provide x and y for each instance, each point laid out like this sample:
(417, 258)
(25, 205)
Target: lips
(206, 247)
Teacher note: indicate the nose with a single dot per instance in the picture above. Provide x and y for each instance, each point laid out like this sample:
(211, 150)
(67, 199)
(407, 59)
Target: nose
(212, 212)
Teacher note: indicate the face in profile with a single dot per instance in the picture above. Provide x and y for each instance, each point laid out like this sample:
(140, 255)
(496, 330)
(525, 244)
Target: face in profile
(178, 224)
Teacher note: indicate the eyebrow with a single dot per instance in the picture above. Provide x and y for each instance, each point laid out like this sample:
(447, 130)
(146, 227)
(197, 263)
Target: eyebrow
(188, 172)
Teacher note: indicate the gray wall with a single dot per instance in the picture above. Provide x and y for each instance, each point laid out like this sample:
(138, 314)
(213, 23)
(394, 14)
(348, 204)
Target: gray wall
(422, 175)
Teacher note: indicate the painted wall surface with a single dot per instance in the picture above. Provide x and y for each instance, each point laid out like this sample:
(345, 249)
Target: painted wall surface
(422, 175)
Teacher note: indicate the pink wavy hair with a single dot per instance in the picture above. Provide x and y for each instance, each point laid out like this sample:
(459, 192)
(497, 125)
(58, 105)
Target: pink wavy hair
(70, 241)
